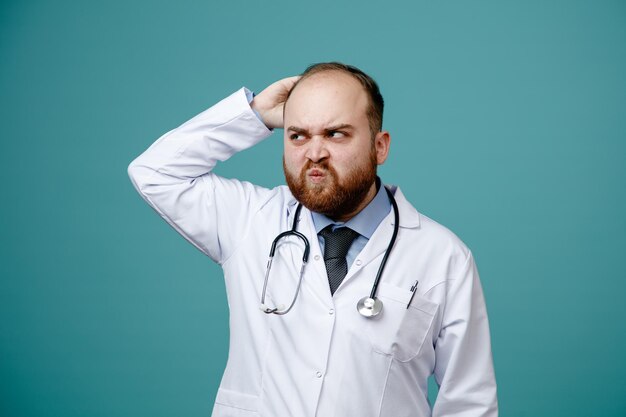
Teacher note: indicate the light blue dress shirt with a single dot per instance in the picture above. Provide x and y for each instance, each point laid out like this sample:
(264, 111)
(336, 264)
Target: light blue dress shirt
(364, 223)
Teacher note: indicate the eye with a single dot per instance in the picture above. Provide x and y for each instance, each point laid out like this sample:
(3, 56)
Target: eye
(336, 134)
(296, 136)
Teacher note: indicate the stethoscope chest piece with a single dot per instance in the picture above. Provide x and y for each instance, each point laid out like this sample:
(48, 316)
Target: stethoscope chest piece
(369, 307)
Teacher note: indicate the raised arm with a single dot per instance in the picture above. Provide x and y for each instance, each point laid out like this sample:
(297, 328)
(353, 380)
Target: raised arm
(174, 175)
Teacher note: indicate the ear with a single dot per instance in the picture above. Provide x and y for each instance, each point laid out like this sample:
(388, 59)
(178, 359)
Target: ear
(382, 141)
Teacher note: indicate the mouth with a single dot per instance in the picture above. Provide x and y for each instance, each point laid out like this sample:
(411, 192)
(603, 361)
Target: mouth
(316, 175)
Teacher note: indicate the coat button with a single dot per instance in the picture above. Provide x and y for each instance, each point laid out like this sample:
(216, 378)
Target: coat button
(318, 374)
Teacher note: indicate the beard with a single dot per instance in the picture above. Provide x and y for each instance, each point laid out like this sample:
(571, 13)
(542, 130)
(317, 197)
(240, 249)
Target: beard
(333, 198)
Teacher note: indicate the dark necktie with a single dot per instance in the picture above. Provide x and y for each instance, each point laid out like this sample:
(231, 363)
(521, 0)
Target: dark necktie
(336, 246)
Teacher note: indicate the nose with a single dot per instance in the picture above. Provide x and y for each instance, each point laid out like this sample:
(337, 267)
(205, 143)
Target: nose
(316, 149)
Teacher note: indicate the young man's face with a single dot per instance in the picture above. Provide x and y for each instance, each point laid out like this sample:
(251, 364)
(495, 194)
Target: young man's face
(330, 157)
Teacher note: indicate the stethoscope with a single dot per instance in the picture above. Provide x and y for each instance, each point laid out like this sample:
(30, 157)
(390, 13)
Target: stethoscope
(367, 306)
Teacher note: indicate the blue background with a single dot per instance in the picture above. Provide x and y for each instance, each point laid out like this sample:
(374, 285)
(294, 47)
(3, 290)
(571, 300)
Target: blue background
(508, 126)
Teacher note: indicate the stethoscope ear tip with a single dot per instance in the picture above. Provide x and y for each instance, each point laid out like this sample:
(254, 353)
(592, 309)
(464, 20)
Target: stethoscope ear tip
(264, 308)
(268, 310)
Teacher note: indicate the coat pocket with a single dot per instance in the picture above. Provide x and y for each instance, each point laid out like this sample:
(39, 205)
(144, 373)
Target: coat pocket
(235, 404)
(400, 331)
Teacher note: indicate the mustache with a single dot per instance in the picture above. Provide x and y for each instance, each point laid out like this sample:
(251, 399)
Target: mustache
(323, 165)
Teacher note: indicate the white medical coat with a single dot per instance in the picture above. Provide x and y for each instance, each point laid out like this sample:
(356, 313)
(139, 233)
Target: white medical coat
(322, 358)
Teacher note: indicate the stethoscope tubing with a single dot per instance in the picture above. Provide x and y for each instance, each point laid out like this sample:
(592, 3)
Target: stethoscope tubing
(371, 306)
(396, 226)
(305, 259)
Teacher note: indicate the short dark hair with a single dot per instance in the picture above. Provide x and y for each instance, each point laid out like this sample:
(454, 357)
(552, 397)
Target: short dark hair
(376, 105)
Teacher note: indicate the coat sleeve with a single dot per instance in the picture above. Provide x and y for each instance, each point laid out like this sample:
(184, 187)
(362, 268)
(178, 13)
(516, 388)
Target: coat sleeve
(174, 176)
(464, 366)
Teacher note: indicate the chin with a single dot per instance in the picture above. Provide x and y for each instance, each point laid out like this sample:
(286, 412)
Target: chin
(317, 187)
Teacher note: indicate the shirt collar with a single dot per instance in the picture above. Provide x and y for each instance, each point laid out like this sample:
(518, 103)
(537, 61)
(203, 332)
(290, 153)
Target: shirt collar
(366, 221)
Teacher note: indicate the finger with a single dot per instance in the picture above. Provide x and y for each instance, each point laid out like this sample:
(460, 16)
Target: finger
(290, 81)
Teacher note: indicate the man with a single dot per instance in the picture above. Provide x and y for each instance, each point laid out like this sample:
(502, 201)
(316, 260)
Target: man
(320, 356)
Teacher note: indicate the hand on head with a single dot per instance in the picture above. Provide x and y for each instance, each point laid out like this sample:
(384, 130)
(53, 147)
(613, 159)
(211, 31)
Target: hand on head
(269, 103)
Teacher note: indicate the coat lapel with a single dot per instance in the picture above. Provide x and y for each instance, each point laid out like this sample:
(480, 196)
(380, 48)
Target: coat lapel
(315, 278)
(377, 245)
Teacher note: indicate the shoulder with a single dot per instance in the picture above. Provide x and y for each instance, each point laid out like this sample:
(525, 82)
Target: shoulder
(431, 246)
(442, 238)
(252, 191)
(417, 225)
(235, 195)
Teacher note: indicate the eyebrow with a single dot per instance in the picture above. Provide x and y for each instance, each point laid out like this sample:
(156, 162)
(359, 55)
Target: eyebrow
(343, 126)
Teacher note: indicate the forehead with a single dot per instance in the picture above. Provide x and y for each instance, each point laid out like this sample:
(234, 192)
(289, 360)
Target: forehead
(327, 98)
